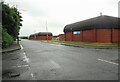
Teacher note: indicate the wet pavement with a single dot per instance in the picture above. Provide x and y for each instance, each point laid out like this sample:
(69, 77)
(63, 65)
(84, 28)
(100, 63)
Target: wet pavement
(15, 66)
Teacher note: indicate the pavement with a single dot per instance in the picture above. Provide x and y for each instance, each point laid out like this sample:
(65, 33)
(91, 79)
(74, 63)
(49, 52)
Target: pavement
(15, 64)
(12, 48)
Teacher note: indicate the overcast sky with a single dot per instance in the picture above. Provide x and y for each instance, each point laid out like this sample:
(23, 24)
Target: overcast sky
(59, 13)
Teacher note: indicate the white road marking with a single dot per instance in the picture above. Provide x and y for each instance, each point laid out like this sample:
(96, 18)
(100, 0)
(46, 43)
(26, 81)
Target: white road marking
(21, 47)
(108, 61)
(21, 66)
(55, 64)
(32, 75)
(56, 44)
(26, 59)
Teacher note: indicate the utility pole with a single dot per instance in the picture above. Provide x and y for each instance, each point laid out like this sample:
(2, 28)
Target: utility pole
(46, 30)
(100, 13)
(34, 34)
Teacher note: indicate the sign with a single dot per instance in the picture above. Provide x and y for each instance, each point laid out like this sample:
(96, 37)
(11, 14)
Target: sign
(76, 32)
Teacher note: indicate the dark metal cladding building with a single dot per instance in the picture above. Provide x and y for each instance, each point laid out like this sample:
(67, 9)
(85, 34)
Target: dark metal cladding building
(101, 29)
(41, 36)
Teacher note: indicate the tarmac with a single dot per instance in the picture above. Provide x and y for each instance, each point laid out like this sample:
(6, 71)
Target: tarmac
(15, 47)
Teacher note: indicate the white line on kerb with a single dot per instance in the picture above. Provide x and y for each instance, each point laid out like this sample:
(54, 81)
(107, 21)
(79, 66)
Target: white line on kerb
(21, 47)
(108, 61)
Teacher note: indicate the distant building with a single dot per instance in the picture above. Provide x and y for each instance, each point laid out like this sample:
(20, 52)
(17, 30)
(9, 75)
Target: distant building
(61, 37)
(101, 29)
(41, 36)
(54, 37)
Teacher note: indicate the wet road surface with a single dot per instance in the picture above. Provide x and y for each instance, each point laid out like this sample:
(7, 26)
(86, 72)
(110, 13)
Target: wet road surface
(58, 62)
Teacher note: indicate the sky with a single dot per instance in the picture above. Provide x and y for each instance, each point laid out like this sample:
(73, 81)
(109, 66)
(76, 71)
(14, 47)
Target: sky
(56, 14)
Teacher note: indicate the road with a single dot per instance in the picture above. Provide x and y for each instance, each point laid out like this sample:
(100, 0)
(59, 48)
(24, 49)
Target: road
(58, 62)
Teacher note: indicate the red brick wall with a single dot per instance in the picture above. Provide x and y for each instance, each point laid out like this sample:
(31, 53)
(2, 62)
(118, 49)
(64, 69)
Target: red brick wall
(95, 35)
(104, 35)
(62, 37)
(89, 36)
(77, 37)
(68, 36)
(115, 35)
(44, 38)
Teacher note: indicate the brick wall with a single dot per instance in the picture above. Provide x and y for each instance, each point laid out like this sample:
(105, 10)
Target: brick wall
(89, 36)
(62, 37)
(77, 37)
(68, 36)
(115, 35)
(104, 35)
(44, 37)
(95, 35)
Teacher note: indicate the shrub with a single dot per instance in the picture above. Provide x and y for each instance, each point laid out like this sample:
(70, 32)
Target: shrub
(7, 40)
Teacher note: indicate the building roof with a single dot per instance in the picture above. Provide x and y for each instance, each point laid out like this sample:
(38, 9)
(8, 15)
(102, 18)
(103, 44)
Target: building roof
(41, 34)
(99, 22)
(44, 34)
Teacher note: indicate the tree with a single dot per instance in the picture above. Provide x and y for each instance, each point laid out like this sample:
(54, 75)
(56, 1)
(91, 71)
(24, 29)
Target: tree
(11, 20)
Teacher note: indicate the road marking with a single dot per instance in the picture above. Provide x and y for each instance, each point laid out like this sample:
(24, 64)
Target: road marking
(21, 47)
(56, 44)
(32, 75)
(26, 59)
(21, 66)
(108, 61)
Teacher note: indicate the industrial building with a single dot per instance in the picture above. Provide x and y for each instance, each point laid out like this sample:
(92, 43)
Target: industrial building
(101, 29)
(41, 36)
(61, 37)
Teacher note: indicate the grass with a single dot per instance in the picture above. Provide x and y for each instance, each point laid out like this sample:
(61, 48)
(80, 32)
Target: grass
(87, 43)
